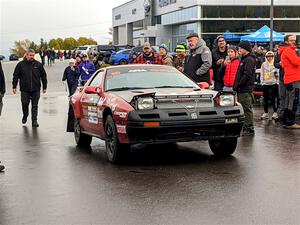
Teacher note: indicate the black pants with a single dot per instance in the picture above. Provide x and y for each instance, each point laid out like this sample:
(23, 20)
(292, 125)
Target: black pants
(270, 96)
(1, 103)
(25, 99)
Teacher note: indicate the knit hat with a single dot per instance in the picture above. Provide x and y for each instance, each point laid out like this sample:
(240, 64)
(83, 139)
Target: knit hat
(192, 35)
(164, 47)
(245, 45)
(180, 48)
(219, 37)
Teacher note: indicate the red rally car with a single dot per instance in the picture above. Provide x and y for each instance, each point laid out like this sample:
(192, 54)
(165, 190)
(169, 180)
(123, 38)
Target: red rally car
(131, 104)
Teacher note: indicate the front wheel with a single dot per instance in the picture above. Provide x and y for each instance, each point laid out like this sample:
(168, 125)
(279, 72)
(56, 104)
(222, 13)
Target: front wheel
(116, 152)
(123, 62)
(82, 140)
(223, 147)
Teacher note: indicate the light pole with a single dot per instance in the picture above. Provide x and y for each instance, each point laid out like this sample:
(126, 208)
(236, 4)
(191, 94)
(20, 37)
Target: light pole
(271, 24)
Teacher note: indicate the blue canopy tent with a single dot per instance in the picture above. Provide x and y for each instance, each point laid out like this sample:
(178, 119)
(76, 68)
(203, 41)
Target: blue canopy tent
(263, 35)
(231, 37)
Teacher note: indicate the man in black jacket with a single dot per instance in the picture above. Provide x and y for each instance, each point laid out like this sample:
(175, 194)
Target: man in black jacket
(2, 87)
(244, 84)
(2, 92)
(218, 57)
(30, 73)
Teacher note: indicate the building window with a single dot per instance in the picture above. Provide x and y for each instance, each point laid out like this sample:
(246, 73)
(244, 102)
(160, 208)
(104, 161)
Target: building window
(133, 11)
(158, 20)
(236, 11)
(286, 11)
(219, 26)
(183, 15)
(118, 17)
(250, 11)
(180, 32)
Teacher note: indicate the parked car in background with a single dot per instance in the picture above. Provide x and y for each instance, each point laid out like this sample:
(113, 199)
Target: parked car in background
(150, 104)
(122, 47)
(2, 57)
(106, 51)
(121, 57)
(86, 49)
(13, 57)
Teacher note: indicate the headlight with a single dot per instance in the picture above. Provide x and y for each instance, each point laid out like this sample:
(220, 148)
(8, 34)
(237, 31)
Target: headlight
(145, 103)
(226, 100)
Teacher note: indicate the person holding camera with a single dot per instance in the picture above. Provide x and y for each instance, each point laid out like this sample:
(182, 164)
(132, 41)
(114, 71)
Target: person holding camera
(269, 80)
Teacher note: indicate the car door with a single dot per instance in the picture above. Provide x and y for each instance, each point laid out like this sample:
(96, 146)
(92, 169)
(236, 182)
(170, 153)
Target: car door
(89, 102)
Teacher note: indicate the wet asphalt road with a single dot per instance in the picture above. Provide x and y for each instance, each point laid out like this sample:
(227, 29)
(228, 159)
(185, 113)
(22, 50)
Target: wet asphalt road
(49, 181)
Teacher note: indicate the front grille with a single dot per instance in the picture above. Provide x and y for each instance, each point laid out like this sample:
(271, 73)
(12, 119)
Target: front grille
(231, 112)
(177, 114)
(149, 116)
(207, 113)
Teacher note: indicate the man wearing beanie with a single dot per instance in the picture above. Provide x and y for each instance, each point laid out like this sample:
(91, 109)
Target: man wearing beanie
(198, 61)
(244, 84)
(218, 57)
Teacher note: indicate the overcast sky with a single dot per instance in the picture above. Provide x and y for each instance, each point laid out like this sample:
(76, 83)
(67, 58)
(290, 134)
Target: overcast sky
(35, 19)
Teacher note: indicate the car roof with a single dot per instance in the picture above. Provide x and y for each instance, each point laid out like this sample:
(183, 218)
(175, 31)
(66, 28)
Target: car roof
(139, 65)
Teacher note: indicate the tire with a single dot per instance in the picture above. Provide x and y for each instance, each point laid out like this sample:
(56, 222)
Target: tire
(223, 147)
(123, 62)
(81, 139)
(116, 152)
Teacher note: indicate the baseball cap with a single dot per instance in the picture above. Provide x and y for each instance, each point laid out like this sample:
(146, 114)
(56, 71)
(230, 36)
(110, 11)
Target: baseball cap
(146, 45)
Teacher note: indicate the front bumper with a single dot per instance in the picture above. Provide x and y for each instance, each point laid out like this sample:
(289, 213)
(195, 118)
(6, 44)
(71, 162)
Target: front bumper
(178, 125)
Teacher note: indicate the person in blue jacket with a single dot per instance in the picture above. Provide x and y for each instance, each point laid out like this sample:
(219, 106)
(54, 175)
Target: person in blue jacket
(86, 69)
(71, 75)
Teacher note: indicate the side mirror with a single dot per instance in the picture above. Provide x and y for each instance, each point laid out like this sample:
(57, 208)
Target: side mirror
(92, 90)
(203, 85)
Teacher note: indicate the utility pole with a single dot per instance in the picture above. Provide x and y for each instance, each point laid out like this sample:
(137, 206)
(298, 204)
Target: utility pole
(271, 24)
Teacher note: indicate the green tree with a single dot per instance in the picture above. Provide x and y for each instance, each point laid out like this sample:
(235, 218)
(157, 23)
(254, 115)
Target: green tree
(70, 43)
(34, 46)
(21, 47)
(60, 42)
(86, 41)
(54, 44)
(43, 44)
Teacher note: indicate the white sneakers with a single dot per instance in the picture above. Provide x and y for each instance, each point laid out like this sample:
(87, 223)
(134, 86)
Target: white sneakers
(266, 116)
(275, 116)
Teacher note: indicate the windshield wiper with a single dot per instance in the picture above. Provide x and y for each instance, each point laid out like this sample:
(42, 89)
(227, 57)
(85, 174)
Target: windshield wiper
(126, 88)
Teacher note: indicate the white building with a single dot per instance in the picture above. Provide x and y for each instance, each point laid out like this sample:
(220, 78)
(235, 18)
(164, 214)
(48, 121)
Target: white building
(170, 21)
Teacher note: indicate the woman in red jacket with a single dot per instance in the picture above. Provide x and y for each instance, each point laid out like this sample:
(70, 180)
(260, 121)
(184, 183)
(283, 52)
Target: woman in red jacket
(230, 67)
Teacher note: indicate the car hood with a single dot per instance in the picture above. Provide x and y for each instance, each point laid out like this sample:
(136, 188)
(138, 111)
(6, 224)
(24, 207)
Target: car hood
(160, 92)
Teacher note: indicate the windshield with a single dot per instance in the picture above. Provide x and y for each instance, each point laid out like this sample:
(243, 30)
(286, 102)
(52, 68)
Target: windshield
(125, 78)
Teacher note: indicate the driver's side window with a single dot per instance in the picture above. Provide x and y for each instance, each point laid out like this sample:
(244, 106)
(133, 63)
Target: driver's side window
(97, 79)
